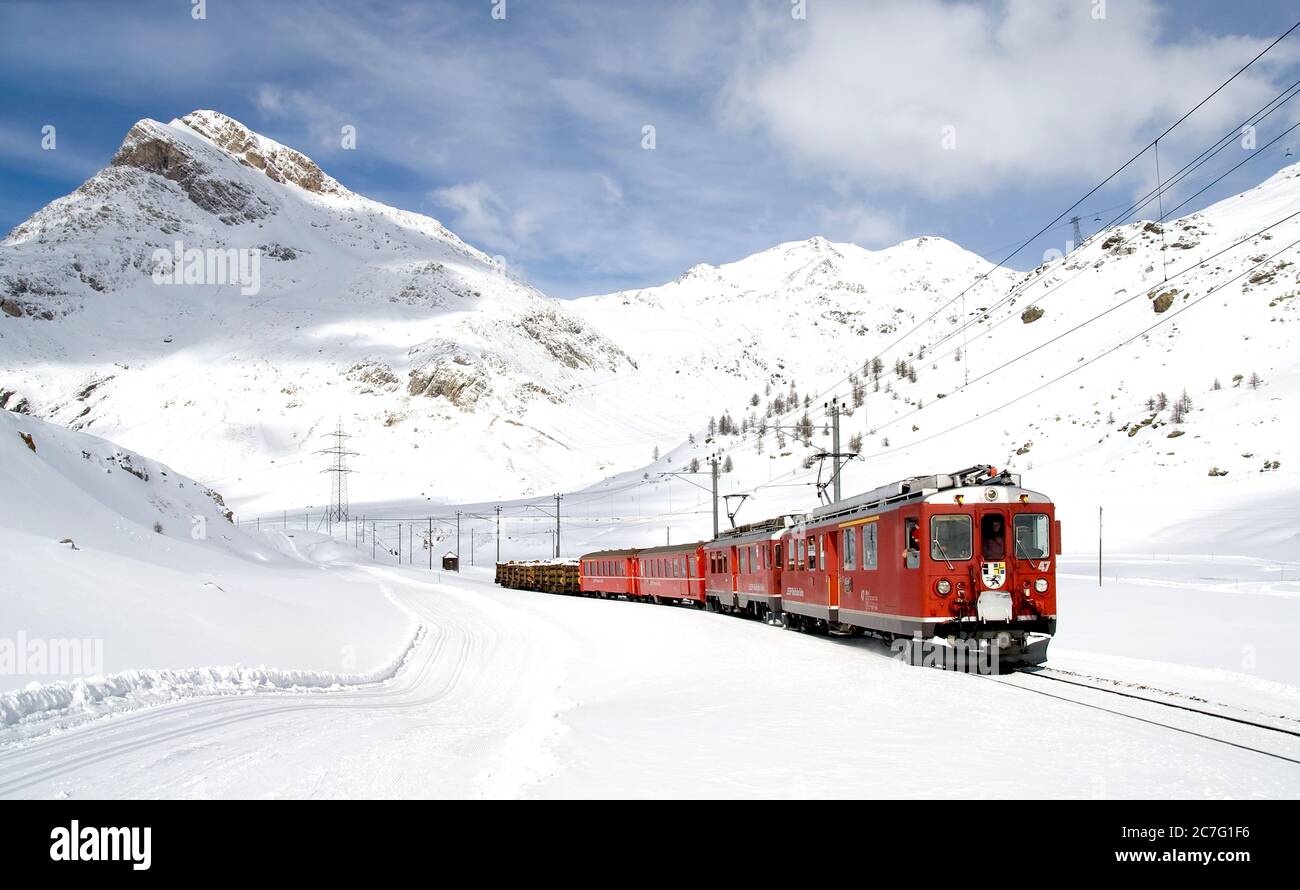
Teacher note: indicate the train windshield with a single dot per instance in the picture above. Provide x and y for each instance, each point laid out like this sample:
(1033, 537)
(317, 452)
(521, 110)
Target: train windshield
(1033, 536)
(950, 537)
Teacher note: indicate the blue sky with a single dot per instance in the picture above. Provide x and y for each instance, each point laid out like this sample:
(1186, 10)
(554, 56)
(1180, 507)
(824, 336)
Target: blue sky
(525, 134)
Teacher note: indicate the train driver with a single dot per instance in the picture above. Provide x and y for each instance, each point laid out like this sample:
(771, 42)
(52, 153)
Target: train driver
(995, 539)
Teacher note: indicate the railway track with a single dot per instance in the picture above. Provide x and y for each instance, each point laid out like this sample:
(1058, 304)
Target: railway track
(1269, 736)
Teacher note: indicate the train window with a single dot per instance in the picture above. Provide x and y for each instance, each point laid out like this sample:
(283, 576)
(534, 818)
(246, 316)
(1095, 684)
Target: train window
(950, 537)
(869, 535)
(803, 550)
(821, 554)
(849, 543)
(790, 558)
(1033, 536)
(776, 554)
(993, 536)
(911, 543)
(679, 569)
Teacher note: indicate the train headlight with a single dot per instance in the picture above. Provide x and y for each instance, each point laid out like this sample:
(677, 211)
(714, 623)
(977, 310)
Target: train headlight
(1041, 585)
(943, 588)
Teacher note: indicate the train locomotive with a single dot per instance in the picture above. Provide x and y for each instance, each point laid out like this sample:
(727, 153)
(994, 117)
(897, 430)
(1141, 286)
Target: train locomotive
(966, 556)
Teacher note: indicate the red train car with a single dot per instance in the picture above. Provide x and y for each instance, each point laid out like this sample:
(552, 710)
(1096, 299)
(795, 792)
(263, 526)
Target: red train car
(608, 573)
(674, 572)
(967, 555)
(744, 568)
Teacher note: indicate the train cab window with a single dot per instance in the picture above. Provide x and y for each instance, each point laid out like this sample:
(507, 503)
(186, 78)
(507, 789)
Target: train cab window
(803, 550)
(950, 537)
(790, 557)
(812, 553)
(776, 555)
(1033, 536)
(912, 543)
(849, 546)
(993, 536)
(821, 557)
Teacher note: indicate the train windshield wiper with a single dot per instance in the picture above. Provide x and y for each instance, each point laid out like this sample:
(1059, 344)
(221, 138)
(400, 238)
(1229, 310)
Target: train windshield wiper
(942, 553)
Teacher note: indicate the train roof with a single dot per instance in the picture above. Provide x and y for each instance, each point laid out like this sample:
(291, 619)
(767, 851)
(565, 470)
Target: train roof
(670, 548)
(609, 554)
(980, 483)
(763, 530)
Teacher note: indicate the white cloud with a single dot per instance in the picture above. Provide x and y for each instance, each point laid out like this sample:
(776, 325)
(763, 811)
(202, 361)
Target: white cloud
(1033, 89)
(481, 215)
(861, 225)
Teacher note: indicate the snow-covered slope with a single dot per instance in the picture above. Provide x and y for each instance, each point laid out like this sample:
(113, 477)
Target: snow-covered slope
(135, 566)
(343, 308)
(1050, 373)
(795, 314)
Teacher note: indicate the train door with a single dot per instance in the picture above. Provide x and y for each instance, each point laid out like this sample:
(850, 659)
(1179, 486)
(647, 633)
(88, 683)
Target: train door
(829, 564)
(994, 602)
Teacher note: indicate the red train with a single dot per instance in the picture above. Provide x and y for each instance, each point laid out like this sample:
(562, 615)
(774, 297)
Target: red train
(956, 556)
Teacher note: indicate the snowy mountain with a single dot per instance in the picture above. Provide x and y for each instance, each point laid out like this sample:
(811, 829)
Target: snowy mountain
(215, 297)
(795, 314)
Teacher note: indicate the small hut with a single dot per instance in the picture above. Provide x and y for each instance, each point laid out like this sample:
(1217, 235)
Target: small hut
(451, 562)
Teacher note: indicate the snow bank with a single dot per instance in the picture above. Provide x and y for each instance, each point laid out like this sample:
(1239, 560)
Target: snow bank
(129, 690)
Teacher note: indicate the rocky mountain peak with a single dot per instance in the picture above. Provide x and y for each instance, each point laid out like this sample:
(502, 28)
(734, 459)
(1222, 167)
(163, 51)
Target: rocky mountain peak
(279, 162)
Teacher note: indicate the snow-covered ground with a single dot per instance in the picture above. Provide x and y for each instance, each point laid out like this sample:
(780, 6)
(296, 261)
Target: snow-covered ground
(514, 693)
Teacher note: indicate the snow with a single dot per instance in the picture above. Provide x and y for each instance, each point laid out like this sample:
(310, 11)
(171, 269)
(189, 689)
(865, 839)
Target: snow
(520, 694)
(158, 601)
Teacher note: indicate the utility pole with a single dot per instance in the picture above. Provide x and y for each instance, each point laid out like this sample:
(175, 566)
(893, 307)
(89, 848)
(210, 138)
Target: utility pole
(1099, 517)
(471, 546)
(557, 525)
(431, 543)
(498, 532)
(457, 537)
(833, 406)
(1078, 235)
(338, 470)
(373, 542)
(399, 543)
(713, 463)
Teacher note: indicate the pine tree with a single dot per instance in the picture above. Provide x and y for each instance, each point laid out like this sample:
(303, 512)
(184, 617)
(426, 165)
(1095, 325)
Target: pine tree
(727, 466)
(656, 452)
(695, 465)
(1162, 401)
(1255, 380)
